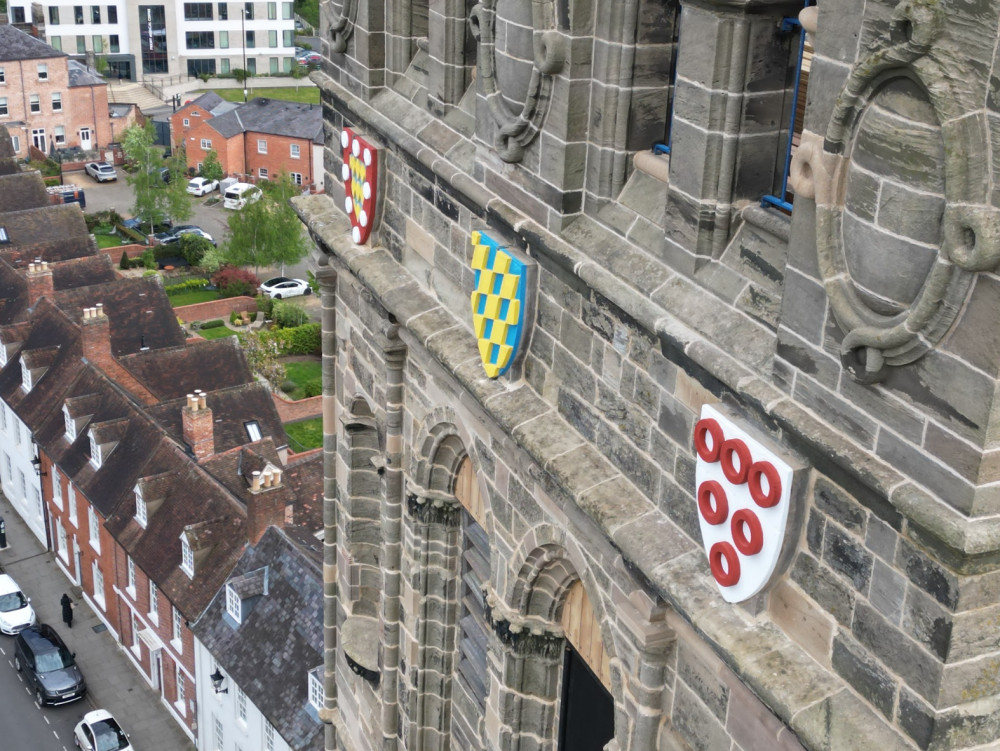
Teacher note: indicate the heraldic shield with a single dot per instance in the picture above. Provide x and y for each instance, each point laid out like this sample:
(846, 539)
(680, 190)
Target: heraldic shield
(498, 304)
(744, 493)
(360, 173)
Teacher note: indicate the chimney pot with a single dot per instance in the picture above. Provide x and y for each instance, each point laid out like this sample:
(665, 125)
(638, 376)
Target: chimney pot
(255, 482)
(99, 309)
(277, 477)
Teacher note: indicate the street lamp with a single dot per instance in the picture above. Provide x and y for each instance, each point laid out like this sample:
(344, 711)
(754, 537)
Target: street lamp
(243, 30)
(217, 679)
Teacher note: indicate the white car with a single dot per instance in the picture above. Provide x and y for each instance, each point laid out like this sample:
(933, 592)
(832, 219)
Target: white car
(199, 186)
(100, 171)
(282, 286)
(15, 611)
(99, 731)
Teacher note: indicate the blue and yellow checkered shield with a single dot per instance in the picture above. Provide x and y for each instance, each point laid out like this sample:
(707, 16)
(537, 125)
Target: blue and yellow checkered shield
(498, 304)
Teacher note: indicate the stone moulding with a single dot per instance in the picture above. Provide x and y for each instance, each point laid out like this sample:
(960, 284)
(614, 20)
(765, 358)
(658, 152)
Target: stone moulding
(341, 23)
(516, 130)
(874, 340)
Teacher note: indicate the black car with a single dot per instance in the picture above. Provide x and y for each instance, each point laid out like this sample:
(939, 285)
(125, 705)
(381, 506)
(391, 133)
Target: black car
(48, 666)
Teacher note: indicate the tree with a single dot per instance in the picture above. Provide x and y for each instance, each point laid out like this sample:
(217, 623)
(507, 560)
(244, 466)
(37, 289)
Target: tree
(262, 357)
(267, 232)
(210, 168)
(155, 201)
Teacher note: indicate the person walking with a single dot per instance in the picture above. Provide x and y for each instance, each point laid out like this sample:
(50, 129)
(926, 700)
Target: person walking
(67, 608)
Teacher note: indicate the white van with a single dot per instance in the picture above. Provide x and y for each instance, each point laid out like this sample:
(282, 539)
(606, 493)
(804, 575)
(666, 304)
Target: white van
(239, 195)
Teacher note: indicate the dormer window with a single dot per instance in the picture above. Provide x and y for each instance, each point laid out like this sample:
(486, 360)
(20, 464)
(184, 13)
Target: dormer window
(70, 424)
(234, 604)
(317, 695)
(140, 507)
(95, 451)
(25, 376)
(187, 557)
(253, 430)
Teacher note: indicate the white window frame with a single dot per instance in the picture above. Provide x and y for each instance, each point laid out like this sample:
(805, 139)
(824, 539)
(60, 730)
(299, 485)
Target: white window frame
(34, 104)
(187, 557)
(5, 111)
(180, 704)
(25, 377)
(95, 451)
(99, 585)
(71, 503)
(206, 144)
(154, 602)
(177, 629)
(56, 101)
(262, 173)
(268, 736)
(57, 499)
(70, 424)
(130, 576)
(219, 734)
(261, 145)
(136, 644)
(61, 547)
(234, 605)
(94, 529)
(241, 707)
(295, 151)
(317, 695)
(140, 508)
(43, 72)
(187, 123)
(59, 135)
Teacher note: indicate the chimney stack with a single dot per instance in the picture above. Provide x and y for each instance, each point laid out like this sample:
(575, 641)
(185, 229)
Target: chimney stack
(199, 428)
(264, 508)
(96, 338)
(39, 278)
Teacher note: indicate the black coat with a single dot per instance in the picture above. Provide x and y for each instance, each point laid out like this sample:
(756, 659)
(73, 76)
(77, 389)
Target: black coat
(67, 608)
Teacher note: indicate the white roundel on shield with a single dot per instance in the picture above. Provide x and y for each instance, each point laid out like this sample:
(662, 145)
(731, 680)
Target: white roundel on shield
(744, 494)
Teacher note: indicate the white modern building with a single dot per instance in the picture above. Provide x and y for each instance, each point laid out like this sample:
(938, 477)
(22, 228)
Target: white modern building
(171, 37)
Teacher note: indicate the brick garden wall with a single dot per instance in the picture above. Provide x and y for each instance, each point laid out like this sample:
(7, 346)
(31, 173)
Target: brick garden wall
(205, 311)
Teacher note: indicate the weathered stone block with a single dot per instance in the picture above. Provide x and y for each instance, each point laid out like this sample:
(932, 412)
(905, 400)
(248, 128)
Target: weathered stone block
(867, 677)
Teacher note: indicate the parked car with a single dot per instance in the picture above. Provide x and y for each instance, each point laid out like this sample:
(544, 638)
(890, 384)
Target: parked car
(100, 171)
(141, 225)
(282, 286)
(199, 186)
(310, 58)
(175, 234)
(99, 731)
(15, 611)
(48, 666)
(239, 195)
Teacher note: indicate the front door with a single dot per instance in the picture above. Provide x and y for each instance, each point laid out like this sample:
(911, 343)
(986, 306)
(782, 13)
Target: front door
(38, 140)
(85, 139)
(587, 719)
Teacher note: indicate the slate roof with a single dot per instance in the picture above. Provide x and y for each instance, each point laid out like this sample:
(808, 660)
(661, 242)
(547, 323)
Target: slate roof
(81, 75)
(22, 190)
(280, 639)
(13, 294)
(82, 272)
(272, 117)
(235, 468)
(16, 45)
(304, 475)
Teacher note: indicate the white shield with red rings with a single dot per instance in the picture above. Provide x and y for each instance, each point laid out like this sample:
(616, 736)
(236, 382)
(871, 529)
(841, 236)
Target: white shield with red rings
(743, 495)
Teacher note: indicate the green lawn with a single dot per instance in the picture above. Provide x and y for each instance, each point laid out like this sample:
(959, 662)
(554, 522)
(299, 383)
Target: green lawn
(301, 373)
(108, 241)
(305, 434)
(307, 93)
(194, 296)
(220, 332)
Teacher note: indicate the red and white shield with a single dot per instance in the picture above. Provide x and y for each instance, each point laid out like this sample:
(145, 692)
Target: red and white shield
(360, 172)
(744, 497)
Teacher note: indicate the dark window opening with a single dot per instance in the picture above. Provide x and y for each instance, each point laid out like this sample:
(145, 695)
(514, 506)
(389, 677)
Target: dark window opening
(200, 40)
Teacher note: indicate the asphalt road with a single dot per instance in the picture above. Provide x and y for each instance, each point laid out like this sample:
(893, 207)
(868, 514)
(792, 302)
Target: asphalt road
(26, 725)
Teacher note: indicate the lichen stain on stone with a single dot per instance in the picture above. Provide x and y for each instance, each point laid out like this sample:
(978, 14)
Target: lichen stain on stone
(987, 684)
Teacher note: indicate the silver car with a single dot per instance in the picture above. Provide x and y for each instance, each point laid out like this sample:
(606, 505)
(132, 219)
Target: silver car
(101, 171)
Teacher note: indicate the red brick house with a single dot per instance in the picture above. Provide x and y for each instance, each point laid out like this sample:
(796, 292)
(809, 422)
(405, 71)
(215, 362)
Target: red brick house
(254, 141)
(47, 100)
(151, 487)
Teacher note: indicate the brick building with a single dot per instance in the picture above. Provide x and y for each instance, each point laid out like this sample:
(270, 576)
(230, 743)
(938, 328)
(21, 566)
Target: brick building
(47, 100)
(156, 461)
(628, 449)
(254, 141)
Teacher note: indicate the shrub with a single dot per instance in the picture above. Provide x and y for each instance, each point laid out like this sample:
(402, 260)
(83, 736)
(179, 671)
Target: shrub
(149, 259)
(288, 386)
(312, 387)
(193, 248)
(300, 340)
(233, 282)
(213, 324)
(133, 235)
(124, 263)
(265, 305)
(190, 284)
(288, 314)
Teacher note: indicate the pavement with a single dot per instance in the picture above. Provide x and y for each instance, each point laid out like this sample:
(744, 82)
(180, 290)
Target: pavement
(112, 680)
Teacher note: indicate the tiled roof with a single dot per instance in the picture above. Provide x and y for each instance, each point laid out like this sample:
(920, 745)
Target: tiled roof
(16, 45)
(22, 190)
(52, 233)
(280, 639)
(272, 117)
(81, 75)
(207, 365)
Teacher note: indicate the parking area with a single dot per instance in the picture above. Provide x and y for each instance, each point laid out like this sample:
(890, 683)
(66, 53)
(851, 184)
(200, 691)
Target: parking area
(118, 195)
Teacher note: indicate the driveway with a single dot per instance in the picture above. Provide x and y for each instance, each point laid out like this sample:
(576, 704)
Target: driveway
(118, 195)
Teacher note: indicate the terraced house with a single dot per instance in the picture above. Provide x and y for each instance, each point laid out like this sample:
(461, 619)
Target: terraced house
(647, 430)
